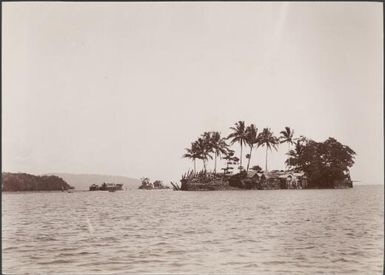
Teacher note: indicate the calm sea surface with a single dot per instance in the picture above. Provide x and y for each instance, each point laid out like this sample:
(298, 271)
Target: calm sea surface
(139, 231)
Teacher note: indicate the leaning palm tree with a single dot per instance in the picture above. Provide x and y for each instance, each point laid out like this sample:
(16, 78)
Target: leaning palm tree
(219, 147)
(207, 145)
(266, 138)
(251, 140)
(204, 149)
(192, 153)
(287, 136)
(238, 135)
(295, 153)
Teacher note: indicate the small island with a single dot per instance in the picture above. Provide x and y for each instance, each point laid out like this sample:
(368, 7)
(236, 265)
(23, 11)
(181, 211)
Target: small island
(112, 187)
(310, 164)
(148, 185)
(20, 182)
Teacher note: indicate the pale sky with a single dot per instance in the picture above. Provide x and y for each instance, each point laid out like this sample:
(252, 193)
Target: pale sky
(123, 88)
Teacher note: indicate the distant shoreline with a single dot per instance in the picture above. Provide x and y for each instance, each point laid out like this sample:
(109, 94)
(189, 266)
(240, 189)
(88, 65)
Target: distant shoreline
(45, 191)
(226, 190)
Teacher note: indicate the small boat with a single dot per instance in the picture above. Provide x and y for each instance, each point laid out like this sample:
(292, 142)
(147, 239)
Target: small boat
(106, 187)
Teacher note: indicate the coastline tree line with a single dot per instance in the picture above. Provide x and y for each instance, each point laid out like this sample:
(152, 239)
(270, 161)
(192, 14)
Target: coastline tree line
(322, 162)
(14, 182)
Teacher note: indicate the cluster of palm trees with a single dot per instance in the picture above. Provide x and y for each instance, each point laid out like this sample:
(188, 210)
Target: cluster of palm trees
(211, 144)
(207, 145)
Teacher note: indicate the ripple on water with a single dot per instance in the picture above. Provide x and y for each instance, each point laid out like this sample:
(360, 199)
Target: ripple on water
(304, 231)
(54, 262)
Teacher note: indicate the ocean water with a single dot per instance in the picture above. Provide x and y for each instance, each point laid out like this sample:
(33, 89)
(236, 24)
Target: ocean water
(164, 231)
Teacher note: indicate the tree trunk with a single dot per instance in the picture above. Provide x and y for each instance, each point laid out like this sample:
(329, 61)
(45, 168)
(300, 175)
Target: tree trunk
(195, 167)
(215, 165)
(287, 154)
(204, 165)
(248, 162)
(240, 160)
(266, 160)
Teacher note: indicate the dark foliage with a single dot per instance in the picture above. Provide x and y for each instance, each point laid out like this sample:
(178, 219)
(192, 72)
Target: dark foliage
(27, 182)
(147, 184)
(106, 187)
(326, 164)
(256, 168)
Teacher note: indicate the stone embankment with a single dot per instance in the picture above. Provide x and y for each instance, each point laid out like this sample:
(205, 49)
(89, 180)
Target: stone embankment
(252, 180)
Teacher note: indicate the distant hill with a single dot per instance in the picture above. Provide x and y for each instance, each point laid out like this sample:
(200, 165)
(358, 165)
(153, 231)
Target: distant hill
(27, 182)
(83, 181)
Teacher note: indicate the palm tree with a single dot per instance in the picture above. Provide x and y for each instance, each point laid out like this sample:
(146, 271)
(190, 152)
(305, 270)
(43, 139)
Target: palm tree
(251, 140)
(229, 156)
(207, 146)
(219, 147)
(266, 138)
(287, 136)
(192, 153)
(204, 149)
(294, 154)
(238, 135)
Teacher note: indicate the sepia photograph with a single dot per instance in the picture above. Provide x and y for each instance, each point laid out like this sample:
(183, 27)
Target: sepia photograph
(216, 137)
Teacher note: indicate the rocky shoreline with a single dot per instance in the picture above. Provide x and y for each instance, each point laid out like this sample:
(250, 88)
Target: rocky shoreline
(273, 180)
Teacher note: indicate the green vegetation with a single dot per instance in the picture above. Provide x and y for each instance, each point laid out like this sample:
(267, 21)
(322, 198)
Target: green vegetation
(326, 164)
(209, 143)
(287, 136)
(148, 185)
(267, 139)
(106, 187)
(26, 182)
(238, 135)
(313, 164)
(218, 146)
(251, 140)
